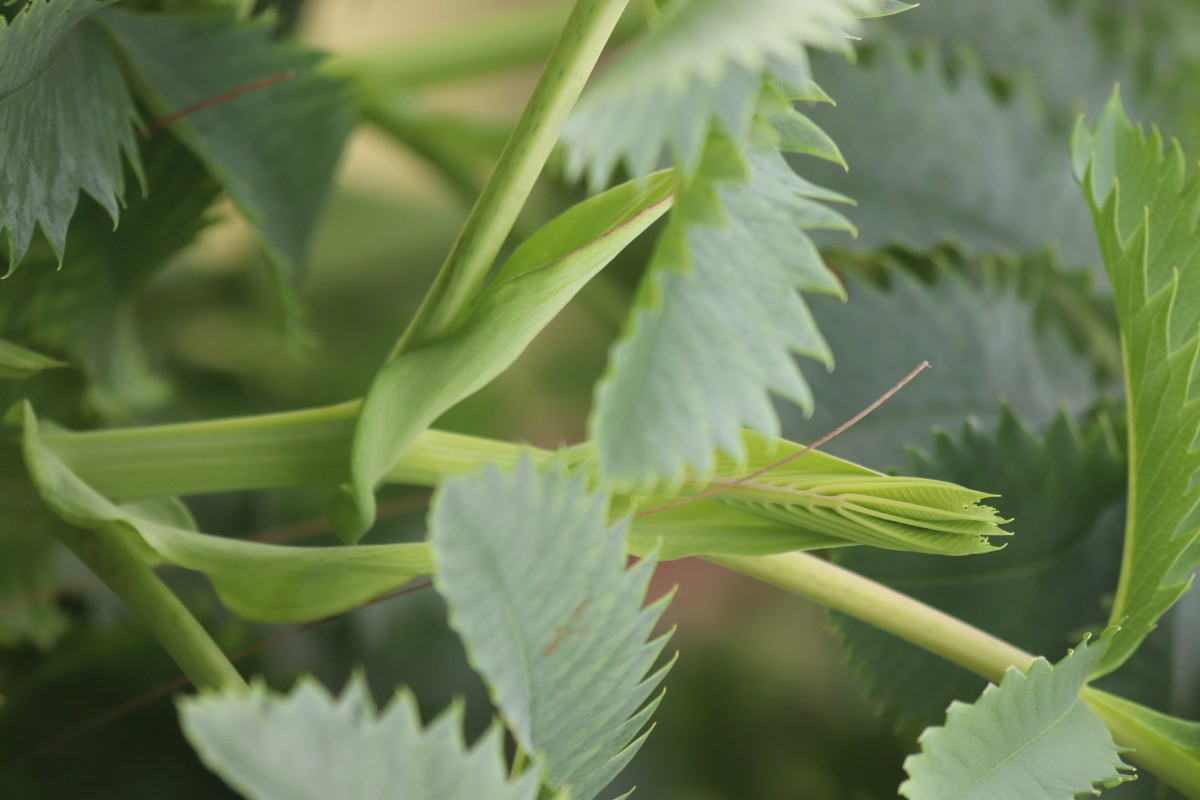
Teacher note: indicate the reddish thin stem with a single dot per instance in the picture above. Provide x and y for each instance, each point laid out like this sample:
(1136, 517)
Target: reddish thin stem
(827, 437)
(224, 97)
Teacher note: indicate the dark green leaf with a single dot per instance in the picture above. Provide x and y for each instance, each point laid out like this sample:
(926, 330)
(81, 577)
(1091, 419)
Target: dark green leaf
(944, 158)
(983, 345)
(67, 118)
(274, 149)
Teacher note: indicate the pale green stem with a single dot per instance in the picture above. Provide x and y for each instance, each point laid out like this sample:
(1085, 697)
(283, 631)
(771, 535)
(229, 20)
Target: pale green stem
(298, 448)
(466, 267)
(650, 9)
(122, 568)
(885, 608)
(953, 640)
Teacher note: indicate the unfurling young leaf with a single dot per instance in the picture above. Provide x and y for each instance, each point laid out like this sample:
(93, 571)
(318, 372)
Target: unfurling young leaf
(1031, 737)
(551, 618)
(540, 277)
(308, 745)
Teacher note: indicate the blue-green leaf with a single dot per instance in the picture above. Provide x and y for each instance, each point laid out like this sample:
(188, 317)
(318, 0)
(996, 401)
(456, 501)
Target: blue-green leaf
(551, 618)
(717, 320)
(1031, 737)
(702, 63)
(307, 745)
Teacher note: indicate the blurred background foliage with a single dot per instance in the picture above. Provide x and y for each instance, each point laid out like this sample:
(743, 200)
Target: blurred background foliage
(974, 251)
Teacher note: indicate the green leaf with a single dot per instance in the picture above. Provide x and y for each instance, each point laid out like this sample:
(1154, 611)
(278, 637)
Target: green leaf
(1064, 490)
(983, 344)
(552, 620)
(1031, 737)
(274, 149)
(67, 118)
(308, 745)
(18, 362)
(85, 313)
(1145, 214)
(717, 320)
(541, 277)
(261, 582)
(944, 158)
(702, 63)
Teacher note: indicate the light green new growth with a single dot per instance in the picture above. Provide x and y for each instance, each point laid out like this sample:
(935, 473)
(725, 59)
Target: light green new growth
(61, 91)
(540, 277)
(1145, 214)
(550, 617)
(1031, 737)
(308, 745)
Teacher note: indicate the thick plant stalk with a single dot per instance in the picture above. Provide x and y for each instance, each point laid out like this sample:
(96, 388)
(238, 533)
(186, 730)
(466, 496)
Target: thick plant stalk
(122, 569)
(885, 608)
(495, 212)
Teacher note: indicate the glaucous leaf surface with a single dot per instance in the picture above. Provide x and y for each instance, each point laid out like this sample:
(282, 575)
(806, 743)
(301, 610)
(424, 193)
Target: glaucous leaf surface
(1145, 209)
(1031, 737)
(551, 618)
(307, 745)
(274, 149)
(67, 119)
(261, 582)
(702, 63)
(540, 277)
(717, 319)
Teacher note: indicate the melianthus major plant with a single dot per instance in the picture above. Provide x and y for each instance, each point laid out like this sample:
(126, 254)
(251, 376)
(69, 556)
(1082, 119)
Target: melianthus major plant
(705, 113)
